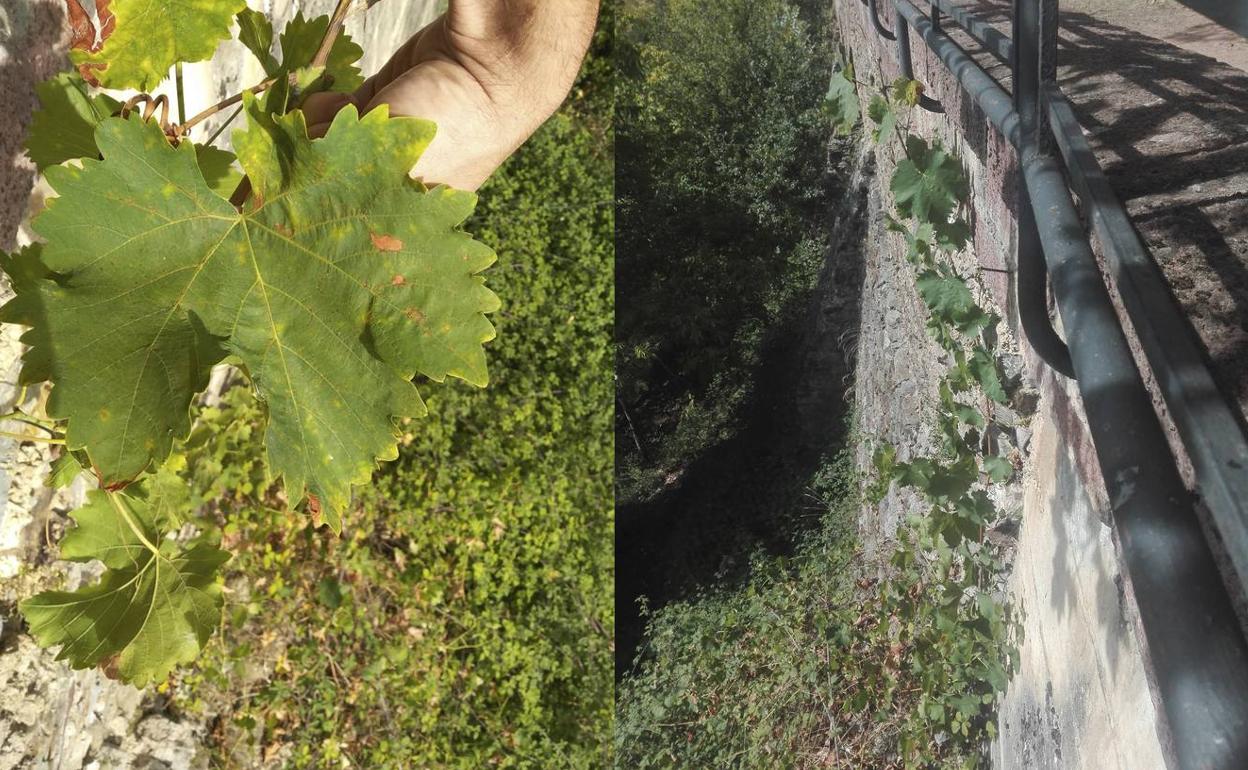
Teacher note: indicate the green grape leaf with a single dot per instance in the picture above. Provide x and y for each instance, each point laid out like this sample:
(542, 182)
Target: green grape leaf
(63, 471)
(255, 31)
(928, 182)
(154, 607)
(63, 127)
(302, 37)
(946, 296)
(968, 415)
(952, 236)
(885, 119)
(340, 280)
(983, 367)
(150, 36)
(218, 169)
(998, 468)
(949, 300)
(907, 91)
(842, 102)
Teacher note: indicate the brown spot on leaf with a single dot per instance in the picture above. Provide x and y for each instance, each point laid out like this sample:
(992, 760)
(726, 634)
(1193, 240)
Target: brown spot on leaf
(397, 280)
(414, 315)
(88, 71)
(383, 242)
(284, 229)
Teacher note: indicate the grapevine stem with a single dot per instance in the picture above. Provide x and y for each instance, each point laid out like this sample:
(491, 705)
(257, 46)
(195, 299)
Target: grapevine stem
(177, 77)
(235, 99)
(28, 437)
(129, 519)
(19, 417)
(224, 125)
(331, 34)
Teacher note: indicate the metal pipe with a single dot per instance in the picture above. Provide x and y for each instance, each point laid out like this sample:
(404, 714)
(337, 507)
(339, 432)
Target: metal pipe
(1198, 654)
(1032, 285)
(883, 31)
(998, 107)
(902, 33)
(991, 38)
(1210, 431)
(987, 94)
(1032, 289)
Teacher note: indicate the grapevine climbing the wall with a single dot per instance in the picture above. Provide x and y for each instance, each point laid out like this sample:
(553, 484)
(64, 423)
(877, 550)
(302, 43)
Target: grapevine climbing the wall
(942, 608)
(316, 267)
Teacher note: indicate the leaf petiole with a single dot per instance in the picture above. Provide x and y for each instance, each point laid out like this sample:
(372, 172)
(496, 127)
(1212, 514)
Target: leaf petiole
(129, 519)
(28, 437)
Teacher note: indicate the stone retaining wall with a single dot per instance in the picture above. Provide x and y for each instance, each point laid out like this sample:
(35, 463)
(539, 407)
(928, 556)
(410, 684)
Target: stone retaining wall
(1082, 698)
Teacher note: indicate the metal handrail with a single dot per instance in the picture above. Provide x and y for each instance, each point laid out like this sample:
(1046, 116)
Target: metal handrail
(1195, 642)
(902, 32)
(880, 29)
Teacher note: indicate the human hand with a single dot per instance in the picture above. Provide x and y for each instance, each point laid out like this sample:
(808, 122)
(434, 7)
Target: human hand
(488, 72)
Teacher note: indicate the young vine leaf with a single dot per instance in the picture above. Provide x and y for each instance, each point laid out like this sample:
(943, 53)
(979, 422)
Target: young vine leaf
(299, 43)
(144, 38)
(340, 280)
(255, 31)
(64, 125)
(906, 91)
(155, 605)
(842, 101)
(884, 117)
(300, 40)
(928, 182)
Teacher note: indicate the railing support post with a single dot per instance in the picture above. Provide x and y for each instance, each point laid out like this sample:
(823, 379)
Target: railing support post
(1032, 60)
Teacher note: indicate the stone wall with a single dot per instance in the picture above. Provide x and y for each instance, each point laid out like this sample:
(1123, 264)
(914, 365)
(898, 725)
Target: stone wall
(1083, 697)
(51, 717)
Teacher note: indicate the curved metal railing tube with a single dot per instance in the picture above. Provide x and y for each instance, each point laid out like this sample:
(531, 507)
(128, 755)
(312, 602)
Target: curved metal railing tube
(1197, 649)
(1033, 312)
(1032, 288)
(992, 39)
(883, 31)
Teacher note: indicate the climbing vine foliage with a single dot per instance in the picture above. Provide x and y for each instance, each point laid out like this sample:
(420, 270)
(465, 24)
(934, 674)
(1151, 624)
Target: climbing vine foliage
(943, 610)
(317, 268)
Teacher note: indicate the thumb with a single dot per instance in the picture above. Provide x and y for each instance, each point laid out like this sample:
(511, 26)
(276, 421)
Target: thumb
(319, 109)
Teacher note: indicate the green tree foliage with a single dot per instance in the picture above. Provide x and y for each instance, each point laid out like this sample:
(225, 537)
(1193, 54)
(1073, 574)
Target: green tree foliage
(722, 137)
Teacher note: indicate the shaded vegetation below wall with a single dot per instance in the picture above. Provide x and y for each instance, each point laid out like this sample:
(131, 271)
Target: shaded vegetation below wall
(724, 190)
